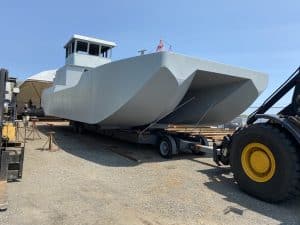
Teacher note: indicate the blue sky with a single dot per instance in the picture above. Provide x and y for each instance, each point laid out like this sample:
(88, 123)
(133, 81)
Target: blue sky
(260, 35)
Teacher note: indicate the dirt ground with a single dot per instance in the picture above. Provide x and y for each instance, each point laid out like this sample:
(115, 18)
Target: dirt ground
(98, 180)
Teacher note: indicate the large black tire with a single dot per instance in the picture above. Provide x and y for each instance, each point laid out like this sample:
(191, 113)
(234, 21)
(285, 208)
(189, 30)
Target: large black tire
(285, 181)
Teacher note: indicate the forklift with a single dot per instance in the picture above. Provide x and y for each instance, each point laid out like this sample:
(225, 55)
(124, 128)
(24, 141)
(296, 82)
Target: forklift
(11, 150)
(264, 155)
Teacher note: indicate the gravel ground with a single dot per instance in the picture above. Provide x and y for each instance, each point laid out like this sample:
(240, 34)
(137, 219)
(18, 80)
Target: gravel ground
(98, 180)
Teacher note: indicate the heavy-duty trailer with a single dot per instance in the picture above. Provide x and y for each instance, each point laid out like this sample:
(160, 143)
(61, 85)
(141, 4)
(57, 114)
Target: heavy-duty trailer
(169, 142)
(264, 155)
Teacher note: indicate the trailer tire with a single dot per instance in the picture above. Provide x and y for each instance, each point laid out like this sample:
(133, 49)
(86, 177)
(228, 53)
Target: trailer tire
(165, 147)
(265, 162)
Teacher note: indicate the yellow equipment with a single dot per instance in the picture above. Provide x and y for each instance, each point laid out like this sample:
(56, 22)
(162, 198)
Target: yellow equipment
(11, 151)
(264, 155)
(9, 131)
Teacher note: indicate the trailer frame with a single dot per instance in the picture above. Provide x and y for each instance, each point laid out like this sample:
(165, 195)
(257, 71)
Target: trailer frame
(169, 143)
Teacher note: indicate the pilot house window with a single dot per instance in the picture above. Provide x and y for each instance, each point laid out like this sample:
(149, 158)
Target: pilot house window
(104, 51)
(70, 48)
(73, 46)
(94, 49)
(88, 48)
(82, 46)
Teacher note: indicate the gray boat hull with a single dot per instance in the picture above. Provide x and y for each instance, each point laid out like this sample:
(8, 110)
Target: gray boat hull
(162, 87)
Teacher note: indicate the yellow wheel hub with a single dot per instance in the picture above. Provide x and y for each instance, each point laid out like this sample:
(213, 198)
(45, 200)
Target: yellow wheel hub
(258, 162)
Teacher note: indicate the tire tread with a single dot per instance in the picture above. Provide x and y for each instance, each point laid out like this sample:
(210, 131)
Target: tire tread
(291, 146)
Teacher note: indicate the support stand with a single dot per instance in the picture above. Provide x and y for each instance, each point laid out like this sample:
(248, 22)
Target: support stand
(50, 142)
(34, 132)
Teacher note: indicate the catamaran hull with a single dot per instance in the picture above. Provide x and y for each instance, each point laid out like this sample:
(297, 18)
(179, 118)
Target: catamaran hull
(161, 87)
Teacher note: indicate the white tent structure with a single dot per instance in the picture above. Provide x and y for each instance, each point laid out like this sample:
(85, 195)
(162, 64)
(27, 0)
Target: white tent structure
(31, 89)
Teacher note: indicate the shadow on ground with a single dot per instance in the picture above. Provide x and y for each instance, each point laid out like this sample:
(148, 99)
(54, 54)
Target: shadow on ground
(99, 149)
(221, 181)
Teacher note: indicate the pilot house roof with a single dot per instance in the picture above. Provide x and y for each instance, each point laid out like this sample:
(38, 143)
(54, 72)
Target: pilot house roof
(92, 40)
